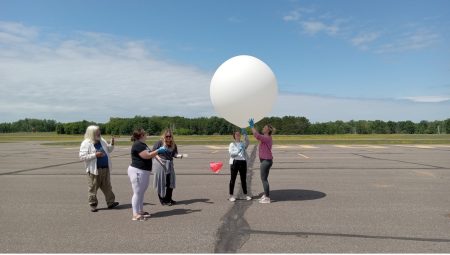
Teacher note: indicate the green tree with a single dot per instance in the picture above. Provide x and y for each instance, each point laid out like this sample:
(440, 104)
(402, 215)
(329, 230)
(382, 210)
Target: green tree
(406, 127)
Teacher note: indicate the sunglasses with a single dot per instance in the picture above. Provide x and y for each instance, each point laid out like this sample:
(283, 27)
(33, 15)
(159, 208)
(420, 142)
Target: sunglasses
(168, 136)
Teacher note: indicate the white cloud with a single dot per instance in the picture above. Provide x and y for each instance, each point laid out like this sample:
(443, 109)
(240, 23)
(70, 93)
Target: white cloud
(412, 36)
(363, 39)
(313, 23)
(428, 99)
(96, 76)
(93, 76)
(326, 108)
(292, 16)
(18, 29)
(296, 14)
(419, 39)
(314, 27)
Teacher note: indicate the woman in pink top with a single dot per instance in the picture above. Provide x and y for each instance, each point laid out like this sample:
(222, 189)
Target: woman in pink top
(265, 156)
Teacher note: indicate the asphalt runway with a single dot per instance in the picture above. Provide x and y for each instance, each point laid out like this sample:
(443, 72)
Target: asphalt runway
(326, 198)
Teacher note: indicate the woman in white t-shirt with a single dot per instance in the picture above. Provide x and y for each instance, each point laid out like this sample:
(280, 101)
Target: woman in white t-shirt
(238, 163)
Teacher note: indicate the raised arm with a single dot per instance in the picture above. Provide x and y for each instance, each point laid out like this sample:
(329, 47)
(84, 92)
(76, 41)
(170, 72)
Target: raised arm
(251, 123)
(256, 134)
(246, 141)
(262, 138)
(109, 146)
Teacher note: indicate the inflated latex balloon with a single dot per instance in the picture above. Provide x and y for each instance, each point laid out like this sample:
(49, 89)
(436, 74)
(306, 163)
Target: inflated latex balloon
(243, 87)
(216, 166)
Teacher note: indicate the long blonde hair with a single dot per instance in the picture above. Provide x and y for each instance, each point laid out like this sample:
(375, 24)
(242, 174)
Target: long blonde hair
(90, 133)
(163, 138)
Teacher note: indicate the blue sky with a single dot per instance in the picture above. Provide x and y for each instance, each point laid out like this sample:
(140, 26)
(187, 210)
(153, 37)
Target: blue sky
(333, 59)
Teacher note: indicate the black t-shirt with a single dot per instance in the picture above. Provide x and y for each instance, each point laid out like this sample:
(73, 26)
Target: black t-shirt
(136, 160)
(169, 154)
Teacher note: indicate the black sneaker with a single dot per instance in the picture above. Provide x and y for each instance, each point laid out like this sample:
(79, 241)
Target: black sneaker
(165, 203)
(111, 206)
(173, 202)
(94, 208)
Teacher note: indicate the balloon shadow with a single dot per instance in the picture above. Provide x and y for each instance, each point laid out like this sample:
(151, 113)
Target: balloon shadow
(173, 212)
(122, 207)
(295, 195)
(195, 200)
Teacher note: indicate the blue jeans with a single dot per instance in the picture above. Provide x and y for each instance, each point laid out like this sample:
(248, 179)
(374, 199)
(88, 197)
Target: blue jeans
(266, 164)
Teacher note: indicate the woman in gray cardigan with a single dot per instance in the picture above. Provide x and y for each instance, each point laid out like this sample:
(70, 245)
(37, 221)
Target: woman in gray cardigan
(163, 168)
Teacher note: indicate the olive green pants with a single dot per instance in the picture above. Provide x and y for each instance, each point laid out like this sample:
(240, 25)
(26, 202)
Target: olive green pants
(102, 181)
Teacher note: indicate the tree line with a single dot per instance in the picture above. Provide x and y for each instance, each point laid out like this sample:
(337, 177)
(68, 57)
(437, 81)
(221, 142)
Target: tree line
(287, 125)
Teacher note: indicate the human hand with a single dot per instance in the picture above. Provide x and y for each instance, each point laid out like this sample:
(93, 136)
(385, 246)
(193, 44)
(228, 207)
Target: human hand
(99, 154)
(161, 150)
(251, 122)
(112, 140)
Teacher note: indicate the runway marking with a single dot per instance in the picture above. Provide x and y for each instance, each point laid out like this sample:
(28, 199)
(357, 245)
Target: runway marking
(283, 147)
(396, 160)
(346, 235)
(51, 166)
(216, 147)
(417, 146)
(424, 173)
(344, 157)
(303, 156)
(360, 146)
(214, 152)
(308, 147)
(377, 185)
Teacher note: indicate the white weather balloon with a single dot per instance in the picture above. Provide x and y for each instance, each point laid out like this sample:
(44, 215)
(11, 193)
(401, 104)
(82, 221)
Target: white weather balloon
(243, 87)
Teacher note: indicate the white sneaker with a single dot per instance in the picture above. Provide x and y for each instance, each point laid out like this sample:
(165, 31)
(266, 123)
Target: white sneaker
(262, 197)
(265, 200)
(232, 199)
(248, 198)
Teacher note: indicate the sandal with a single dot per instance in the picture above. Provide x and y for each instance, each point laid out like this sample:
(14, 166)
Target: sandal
(138, 218)
(145, 215)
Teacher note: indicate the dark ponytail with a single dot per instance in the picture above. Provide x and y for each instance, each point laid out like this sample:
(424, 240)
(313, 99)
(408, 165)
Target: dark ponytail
(137, 134)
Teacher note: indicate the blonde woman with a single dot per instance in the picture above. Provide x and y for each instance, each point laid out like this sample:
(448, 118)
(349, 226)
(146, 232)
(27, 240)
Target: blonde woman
(95, 152)
(163, 168)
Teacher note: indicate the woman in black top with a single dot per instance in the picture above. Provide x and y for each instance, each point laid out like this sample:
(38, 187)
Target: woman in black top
(139, 171)
(164, 181)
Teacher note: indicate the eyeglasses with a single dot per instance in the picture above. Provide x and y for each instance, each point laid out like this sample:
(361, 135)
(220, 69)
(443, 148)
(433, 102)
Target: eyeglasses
(168, 136)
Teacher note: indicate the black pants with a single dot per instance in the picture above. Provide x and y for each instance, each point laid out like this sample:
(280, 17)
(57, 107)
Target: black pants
(241, 167)
(169, 191)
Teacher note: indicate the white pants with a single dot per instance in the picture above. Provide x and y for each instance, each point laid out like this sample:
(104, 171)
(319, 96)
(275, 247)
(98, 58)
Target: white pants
(139, 182)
